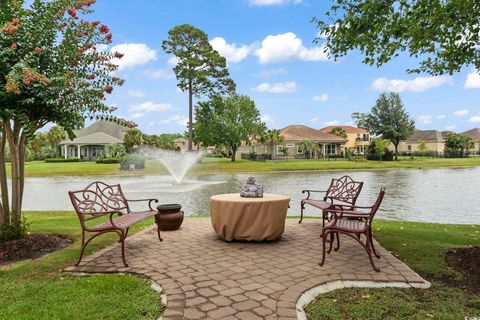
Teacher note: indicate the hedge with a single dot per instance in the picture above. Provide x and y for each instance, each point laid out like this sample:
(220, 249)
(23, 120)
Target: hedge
(107, 160)
(53, 160)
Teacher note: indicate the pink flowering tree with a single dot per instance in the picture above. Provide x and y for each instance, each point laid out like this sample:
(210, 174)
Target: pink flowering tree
(52, 71)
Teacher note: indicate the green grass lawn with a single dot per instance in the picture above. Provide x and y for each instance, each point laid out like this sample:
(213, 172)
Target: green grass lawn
(422, 246)
(38, 289)
(224, 165)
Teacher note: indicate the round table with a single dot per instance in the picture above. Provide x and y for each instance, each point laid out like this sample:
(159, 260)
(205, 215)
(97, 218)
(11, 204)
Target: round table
(253, 219)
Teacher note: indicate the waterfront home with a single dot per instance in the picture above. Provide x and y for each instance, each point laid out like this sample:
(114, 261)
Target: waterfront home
(90, 141)
(434, 141)
(358, 139)
(475, 135)
(293, 135)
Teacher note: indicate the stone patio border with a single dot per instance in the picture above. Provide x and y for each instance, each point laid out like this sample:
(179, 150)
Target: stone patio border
(310, 295)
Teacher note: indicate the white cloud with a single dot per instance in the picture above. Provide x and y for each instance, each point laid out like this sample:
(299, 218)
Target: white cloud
(321, 98)
(262, 3)
(425, 119)
(230, 51)
(314, 119)
(150, 106)
(441, 116)
(172, 61)
(178, 119)
(417, 85)
(134, 54)
(450, 128)
(462, 112)
(137, 115)
(136, 93)
(281, 87)
(287, 46)
(475, 119)
(473, 80)
(332, 123)
(267, 119)
(160, 74)
(271, 73)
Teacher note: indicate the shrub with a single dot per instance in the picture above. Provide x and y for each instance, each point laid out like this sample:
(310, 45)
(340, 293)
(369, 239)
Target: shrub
(136, 159)
(358, 159)
(53, 160)
(114, 150)
(9, 232)
(101, 160)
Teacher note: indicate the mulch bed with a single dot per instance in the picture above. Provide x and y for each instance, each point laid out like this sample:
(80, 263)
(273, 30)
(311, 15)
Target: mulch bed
(466, 261)
(32, 246)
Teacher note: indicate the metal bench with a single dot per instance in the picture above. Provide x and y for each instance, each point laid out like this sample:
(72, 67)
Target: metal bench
(98, 200)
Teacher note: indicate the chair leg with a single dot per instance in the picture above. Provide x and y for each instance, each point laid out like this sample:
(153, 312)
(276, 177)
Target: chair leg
(82, 249)
(372, 245)
(332, 239)
(302, 207)
(122, 238)
(158, 233)
(338, 242)
(324, 237)
(369, 252)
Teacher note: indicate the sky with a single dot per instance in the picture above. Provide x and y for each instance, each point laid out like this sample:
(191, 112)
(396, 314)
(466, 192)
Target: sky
(270, 53)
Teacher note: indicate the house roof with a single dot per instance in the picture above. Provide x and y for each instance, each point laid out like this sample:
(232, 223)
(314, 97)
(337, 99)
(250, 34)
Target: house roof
(472, 133)
(101, 132)
(300, 132)
(347, 129)
(427, 135)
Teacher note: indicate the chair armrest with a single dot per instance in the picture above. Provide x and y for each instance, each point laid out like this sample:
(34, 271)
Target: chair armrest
(144, 200)
(312, 191)
(338, 214)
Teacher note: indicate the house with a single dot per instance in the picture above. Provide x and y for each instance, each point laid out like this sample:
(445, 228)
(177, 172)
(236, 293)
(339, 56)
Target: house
(293, 135)
(434, 141)
(475, 135)
(181, 144)
(358, 139)
(90, 141)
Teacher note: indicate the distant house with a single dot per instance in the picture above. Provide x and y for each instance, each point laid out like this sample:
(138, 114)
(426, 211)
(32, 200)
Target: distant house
(181, 144)
(434, 139)
(293, 135)
(358, 139)
(90, 141)
(475, 135)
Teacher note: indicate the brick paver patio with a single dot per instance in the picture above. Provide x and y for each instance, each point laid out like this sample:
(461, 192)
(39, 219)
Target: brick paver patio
(205, 277)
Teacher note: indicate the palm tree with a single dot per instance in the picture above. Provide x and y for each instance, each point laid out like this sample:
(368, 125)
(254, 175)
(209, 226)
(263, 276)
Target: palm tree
(339, 132)
(272, 138)
(308, 146)
(133, 138)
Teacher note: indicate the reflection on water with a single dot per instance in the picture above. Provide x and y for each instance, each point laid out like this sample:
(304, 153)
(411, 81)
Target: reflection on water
(431, 195)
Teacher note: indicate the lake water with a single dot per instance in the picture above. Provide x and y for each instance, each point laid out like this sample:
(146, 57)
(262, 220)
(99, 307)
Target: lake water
(429, 195)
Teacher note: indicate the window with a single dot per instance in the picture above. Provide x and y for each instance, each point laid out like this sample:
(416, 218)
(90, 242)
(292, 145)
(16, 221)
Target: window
(330, 149)
(279, 149)
(300, 150)
(366, 137)
(290, 145)
(409, 147)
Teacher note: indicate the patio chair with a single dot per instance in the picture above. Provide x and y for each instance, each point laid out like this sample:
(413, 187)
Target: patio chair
(342, 192)
(354, 222)
(98, 200)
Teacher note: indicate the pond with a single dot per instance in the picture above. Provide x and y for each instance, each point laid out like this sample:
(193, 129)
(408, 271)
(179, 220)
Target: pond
(429, 195)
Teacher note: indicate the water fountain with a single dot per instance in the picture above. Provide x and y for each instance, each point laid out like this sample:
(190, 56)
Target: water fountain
(177, 163)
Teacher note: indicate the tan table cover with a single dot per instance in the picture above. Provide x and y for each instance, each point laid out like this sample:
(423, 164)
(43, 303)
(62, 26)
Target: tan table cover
(234, 217)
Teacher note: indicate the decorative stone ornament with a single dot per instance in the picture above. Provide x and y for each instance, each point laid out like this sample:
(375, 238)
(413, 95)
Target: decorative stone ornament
(252, 189)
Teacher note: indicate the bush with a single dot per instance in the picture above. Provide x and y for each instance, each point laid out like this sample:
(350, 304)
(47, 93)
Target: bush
(136, 159)
(9, 232)
(107, 160)
(53, 160)
(358, 159)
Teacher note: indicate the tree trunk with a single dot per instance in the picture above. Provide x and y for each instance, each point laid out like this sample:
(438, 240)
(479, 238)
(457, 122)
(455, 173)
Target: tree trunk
(16, 142)
(396, 150)
(4, 202)
(234, 153)
(190, 116)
